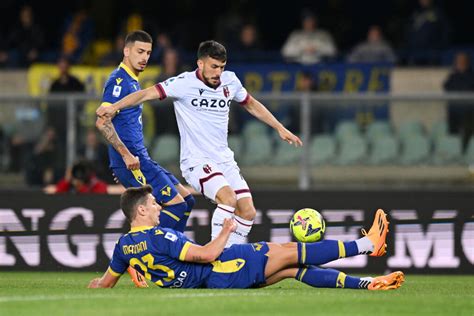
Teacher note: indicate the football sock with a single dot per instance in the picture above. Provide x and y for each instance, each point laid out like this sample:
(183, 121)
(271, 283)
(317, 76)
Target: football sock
(221, 212)
(181, 225)
(364, 245)
(243, 229)
(325, 251)
(172, 214)
(330, 278)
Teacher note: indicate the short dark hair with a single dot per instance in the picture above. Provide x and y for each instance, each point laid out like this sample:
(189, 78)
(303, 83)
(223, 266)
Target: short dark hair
(82, 170)
(131, 198)
(140, 36)
(212, 49)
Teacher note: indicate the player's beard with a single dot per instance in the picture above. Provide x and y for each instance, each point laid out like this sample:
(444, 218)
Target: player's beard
(208, 82)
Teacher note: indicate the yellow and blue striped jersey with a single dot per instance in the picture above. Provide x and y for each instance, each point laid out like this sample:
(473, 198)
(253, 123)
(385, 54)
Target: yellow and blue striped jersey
(128, 122)
(157, 253)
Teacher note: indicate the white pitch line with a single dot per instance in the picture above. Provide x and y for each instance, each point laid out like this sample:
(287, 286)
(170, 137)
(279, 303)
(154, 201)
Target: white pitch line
(7, 299)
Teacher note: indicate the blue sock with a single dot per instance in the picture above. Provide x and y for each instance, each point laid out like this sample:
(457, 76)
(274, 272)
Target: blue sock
(172, 214)
(181, 226)
(325, 251)
(330, 278)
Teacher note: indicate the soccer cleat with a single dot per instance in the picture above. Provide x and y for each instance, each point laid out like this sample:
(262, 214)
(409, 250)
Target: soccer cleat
(390, 281)
(378, 233)
(137, 278)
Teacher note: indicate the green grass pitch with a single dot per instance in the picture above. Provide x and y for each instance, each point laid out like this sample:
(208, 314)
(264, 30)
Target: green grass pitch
(62, 293)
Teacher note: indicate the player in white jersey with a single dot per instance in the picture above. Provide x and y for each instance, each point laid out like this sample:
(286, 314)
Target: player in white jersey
(201, 101)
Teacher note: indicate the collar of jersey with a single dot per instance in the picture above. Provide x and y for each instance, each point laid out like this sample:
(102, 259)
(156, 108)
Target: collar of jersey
(129, 71)
(139, 228)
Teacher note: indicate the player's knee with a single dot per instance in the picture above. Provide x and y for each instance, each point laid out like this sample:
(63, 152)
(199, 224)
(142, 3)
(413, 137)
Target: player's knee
(227, 197)
(247, 212)
(229, 201)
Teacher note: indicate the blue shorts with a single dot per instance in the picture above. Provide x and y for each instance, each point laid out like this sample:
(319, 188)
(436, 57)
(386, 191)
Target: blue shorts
(161, 180)
(239, 267)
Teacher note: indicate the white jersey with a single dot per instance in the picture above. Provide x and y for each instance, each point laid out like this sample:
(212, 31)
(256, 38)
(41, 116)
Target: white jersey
(202, 114)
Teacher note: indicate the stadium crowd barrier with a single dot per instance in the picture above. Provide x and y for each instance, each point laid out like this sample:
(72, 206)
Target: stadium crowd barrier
(305, 102)
(430, 231)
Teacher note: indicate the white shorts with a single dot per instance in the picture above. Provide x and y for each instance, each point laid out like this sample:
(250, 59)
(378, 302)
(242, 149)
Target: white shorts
(209, 177)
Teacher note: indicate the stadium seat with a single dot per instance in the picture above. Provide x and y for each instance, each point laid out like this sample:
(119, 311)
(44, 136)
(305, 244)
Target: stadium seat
(353, 150)
(409, 128)
(258, 151)
(286, 154)
(322, 150)
(165, 149)
(254, 128)
(469, 154)
(439, 129)
(415, 150)
(347, 129)
(384, 150)
(236, 144)
(448, 150)
(378, 129)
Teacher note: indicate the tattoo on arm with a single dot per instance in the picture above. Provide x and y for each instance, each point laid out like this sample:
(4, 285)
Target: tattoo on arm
(107, 129)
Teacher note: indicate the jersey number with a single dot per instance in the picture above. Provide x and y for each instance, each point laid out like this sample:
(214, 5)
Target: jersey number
(149, 260)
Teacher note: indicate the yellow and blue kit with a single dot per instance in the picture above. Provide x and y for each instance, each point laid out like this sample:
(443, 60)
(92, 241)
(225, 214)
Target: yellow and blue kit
(129, 127)
(158, 253)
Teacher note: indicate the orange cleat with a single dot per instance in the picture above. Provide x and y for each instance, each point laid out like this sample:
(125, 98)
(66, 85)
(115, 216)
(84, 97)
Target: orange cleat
(390, 281)
(137, 278)
(378, 233)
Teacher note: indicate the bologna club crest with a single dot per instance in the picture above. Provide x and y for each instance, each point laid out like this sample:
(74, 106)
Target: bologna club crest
(225, 89)
(207, 168)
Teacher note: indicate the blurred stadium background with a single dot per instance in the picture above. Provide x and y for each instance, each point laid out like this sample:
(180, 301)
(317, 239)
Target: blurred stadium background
(384, 102)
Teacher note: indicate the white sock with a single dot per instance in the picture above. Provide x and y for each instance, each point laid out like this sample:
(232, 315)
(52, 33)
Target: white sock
(240, 235)
(364, 245)
(221, 212)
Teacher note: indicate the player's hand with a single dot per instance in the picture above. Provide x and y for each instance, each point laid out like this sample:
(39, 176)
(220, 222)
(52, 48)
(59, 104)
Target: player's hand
(229, 225)
(289, 137)
(107, 111)
(94, 283)
(132, 162)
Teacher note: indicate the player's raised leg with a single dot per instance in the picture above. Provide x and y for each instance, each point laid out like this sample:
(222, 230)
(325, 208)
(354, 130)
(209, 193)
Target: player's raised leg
(209, 179)
(297, 254)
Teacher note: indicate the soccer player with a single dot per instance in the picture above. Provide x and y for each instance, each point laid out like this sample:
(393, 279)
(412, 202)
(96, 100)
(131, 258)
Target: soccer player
(201, 101)
(169, 259)
(129, 159)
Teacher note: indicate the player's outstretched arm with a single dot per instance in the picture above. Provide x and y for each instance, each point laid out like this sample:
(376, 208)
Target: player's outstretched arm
(130, 100)
(105, 126)
(213, 249)
(106, 281)
(258, 110)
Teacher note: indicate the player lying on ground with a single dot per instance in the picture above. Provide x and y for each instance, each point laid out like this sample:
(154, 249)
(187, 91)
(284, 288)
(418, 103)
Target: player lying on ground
(169, 259)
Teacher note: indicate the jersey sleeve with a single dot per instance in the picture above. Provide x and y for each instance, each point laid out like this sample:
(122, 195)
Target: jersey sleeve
(172, 243)
(115, 89)
(171, 87)
(241, 95)
(117, 264)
